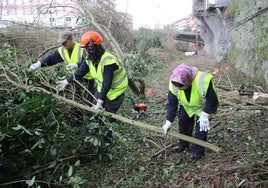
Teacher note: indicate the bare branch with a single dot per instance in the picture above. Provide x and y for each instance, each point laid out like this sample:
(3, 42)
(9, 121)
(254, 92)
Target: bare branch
(117, 117)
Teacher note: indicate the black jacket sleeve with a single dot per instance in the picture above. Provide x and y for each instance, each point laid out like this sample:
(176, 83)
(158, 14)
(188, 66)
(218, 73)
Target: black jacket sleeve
(212, 101)
(80, 63)
(172, 107)
(82, 70)
(108, 74)
(51, 59)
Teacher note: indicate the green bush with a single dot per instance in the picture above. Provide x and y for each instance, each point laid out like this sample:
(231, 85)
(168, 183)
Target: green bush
(140, 62)
(140, 66)
(234, 8)
(38, 133)
(146, 39)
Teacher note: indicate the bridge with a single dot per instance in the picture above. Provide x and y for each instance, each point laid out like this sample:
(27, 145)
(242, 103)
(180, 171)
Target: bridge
(189, 36)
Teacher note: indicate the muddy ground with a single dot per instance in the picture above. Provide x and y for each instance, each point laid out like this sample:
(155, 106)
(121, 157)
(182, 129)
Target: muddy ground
(239, 129)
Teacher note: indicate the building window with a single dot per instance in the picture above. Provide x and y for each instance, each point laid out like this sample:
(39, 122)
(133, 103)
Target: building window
(68, 19)
(52, 19)
(27, 11)
(12, 11)
(19, 11)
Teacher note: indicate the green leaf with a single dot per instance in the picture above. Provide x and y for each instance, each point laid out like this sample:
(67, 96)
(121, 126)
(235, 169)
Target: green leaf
(26, 151)
(77, 163)
(73, 180)
(166, 171)
(70, 171)
(52, 165)
(110, 156)
(2, 136)
(30, 182)
(17, 128)
(95, 142)
(53, 150)
(141, 168)
(38, 132)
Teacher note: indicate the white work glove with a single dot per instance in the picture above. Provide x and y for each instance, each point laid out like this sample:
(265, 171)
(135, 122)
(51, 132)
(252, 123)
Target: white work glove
(61, 85)
(98, 105)
(35, 66)
(204, 122)
(71, 67)
(166, 126)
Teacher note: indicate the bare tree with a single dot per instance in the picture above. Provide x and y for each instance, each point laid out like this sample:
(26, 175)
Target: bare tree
(103, 20)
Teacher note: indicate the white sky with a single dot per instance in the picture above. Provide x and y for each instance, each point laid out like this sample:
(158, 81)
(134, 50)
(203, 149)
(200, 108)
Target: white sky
(151, 13)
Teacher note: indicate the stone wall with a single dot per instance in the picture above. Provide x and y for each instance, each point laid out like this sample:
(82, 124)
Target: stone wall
(249, 38)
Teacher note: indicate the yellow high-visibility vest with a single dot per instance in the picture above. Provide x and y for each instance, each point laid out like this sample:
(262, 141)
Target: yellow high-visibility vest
(120, 80)
(199, 89)
(76, 56)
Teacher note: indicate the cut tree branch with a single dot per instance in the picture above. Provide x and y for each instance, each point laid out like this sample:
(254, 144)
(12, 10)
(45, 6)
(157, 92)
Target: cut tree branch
(117, 117)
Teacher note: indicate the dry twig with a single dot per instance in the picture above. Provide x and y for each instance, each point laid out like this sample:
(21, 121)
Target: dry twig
(117, 117)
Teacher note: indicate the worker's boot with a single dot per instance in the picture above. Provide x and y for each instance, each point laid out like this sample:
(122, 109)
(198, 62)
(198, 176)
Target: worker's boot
(196, 156)
(179, 148)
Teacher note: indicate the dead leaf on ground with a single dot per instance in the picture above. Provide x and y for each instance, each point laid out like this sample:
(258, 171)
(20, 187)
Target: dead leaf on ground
(187, 176)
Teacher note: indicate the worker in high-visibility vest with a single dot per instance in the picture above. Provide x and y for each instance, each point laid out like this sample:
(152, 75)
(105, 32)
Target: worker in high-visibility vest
(194, 93)
(71, 54)
(110, 77)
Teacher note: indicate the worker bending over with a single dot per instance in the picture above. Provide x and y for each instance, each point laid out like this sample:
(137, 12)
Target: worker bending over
(70, 53)
(194, 93)
(110, 77)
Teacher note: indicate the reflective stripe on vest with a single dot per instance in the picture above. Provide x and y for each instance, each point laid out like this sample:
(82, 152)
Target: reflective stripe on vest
(119, 82)
(201, 86)
(70, 60)
(116, 84)
(76, 57)
(198, 92)
(103, 61)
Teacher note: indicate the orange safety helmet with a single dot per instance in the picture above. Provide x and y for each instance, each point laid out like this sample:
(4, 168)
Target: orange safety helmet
(88, 36)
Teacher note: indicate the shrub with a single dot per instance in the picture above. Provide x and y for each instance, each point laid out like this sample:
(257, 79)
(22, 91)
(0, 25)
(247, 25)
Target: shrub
(37, 138)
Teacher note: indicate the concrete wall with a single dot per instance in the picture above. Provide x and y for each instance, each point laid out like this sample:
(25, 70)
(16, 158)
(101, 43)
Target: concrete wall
(216, 26)
(240, 32)
(216, 34)
(249, 38)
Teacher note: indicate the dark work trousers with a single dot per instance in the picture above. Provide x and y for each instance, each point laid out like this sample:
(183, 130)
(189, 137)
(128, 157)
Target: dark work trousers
(111, 105)
(186, 125)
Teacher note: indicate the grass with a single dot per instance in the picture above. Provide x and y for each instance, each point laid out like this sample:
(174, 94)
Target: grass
(241, 135)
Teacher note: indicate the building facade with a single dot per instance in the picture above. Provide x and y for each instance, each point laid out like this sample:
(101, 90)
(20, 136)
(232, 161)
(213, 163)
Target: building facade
(51, 13)
(188, 23)
(40, 12)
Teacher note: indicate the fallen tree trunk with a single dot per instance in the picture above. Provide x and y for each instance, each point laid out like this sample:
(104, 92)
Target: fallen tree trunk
(115, 116)
(140, 124)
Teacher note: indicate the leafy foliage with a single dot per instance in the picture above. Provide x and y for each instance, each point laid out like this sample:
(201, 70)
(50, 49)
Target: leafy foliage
(36, 132)
(140, 62)
(145, 39)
